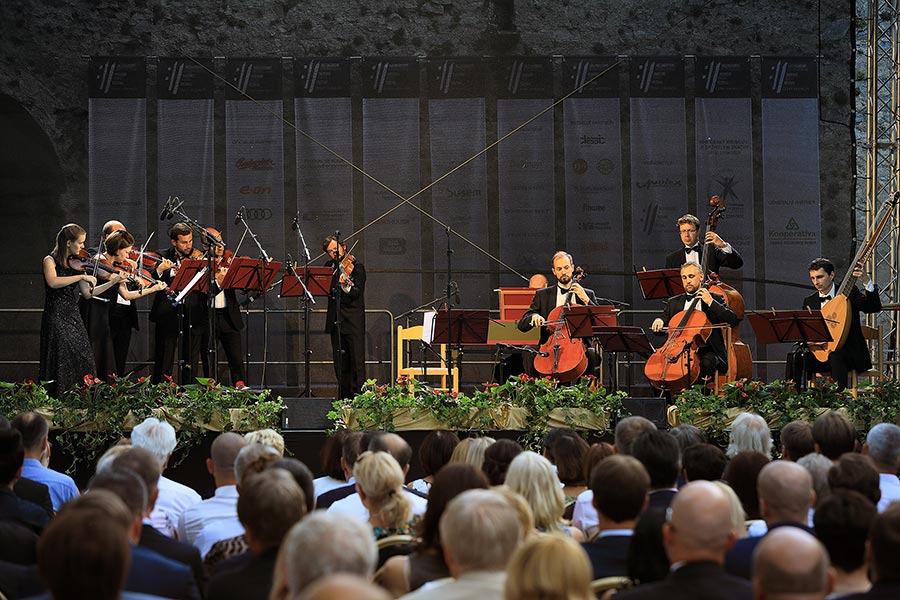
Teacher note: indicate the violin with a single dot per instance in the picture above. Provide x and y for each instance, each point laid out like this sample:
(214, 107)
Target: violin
(86, 263)
(562, 356)
(346, 267)
(149, 260)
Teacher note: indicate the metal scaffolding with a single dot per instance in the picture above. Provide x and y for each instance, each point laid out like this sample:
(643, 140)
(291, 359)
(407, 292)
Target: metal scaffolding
(882, 164)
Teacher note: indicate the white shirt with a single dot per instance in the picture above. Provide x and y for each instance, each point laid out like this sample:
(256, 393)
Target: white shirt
(222, 506)
(890, 490)
(174, 498)
(584, 515)
(222, 529)
(326, 484)
(352, 505)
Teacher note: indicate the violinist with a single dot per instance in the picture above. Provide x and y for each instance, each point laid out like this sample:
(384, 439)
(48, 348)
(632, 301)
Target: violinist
(187, 320)
(345, 321)
(229, 321)
(565, 290)
(723, 254)
(712, 354)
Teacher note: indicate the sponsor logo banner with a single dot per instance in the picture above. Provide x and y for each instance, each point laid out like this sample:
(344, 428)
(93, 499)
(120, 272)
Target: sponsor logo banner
(184, 79)
(259, 78)
(579, 73)
(117, 77)
(722, 77)
(322, 77)
(390, 78)
(524, 78)
(455, 77)
(656, 77)
(789, 77)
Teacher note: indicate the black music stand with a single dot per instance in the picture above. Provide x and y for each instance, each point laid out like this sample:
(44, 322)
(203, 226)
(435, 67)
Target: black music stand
(622, 339)
(791, 326)
(187, 271)
(458, 327)
(250, 274)
(317, 280)
(660, 283)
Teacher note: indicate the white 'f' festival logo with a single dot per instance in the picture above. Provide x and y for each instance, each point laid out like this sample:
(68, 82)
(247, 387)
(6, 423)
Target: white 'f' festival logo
(515, 76)
(107, 72)
(779, 71)
(175, 73)
(446, 76)
(647, 70)
(244, 77)
(581, 75)
(712, 75)
(381, 73)
(312, 73)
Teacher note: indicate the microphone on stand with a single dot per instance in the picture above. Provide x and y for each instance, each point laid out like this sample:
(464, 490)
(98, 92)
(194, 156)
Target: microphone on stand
(166, 213)
(295, 224)
(240, 215)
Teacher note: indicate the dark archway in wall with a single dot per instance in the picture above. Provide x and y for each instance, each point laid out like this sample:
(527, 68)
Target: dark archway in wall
(31, 185)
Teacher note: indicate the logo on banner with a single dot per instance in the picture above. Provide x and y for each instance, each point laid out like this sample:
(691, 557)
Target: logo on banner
(176, 70)
(649, 219)
(792, 225)
(463, 193)
(590, 140)
(381, 73)
(243, 79)
(711, 76)
(515, 76)
(582, 72)
(107, 72)
(779, 72)
(605, 166)
(258, 214)
(647, 69)
(446, 76)
(725, 186)
(255, 164)
(579, 166)
(391, 246)
(255, 190)
(312, 73)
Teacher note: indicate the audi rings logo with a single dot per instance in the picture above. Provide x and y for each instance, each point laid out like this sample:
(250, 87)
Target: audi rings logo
(257, 214)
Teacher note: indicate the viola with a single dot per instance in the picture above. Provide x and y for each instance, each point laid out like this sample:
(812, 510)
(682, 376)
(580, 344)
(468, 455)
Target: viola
(149, 260)
(562, 357)
(137, 276)
(86, 263)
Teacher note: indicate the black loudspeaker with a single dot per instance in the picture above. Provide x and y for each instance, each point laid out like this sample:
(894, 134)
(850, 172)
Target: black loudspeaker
(306, 414)
(653, 409)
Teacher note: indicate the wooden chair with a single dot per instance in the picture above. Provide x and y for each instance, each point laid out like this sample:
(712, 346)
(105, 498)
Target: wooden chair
(871, 334)
(604, 584)
(406, 335)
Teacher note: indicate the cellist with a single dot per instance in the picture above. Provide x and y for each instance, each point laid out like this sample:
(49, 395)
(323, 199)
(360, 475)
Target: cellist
(548, 298)
(712, 355)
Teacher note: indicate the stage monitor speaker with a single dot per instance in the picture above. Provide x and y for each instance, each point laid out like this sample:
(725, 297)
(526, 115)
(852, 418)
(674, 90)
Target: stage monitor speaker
(306, 414)
(653, 409)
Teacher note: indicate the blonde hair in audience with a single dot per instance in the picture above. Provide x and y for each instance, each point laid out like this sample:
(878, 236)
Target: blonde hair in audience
(549, 567)
(532, 476)
(266, 437)
(380, 478)
(111, 453)
(471, 451)
(738, 516)
(523, 511)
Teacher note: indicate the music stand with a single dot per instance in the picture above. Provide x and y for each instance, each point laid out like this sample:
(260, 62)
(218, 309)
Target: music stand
(458, 327)
(660, 283)
(250, 274)
(622, 339)
(318, 283)
(791, 326)
(189, 278)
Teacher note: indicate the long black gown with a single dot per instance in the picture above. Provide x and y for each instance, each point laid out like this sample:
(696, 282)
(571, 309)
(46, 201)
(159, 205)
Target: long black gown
(65, 348)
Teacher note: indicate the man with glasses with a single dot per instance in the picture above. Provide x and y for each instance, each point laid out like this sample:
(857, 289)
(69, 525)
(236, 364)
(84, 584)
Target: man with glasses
(723, 254)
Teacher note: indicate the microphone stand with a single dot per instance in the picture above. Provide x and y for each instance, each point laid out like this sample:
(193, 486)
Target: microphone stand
(263, 260)
(308, 301)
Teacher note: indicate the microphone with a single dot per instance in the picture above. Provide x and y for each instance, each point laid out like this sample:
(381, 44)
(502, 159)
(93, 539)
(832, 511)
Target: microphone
(240, 215)
(166, 213)
(295, 224)
(456, 300)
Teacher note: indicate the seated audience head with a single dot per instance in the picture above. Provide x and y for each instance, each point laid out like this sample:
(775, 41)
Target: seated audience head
(471, 451)
(883, 447)
(266, 437)
(687, 435)
(884, 545)
(12, 456)
(302, 475)
(523, 511)
(593, 456)
(479, 531)
(797, 440)
(703, 461)
(270, 504)
(700, 526)
(111, 453)
(620, 484)
(351, 448)
(659, 453)
(749, 432)
(251, 460)
(84, 552)
(833, 435)
(567, 453)
(325, 543)
(35, 431)
(450, 482)
(647, 560)
(143, 464)
(738, 516)
(343, 586)
(532, 476)
(331, 454)
(789, 563)
(856, 472)
(222, 454)
(628, 429)
(131, 490)
(497, 457)
(396, 446)
(842, 522)
(785, 493)
(436, 450)
(379, 481)
(818, 466)
(549, 567)
(741, 474)
(156, 436)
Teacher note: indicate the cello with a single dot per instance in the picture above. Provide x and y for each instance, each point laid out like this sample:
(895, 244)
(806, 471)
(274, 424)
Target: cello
(562, 357)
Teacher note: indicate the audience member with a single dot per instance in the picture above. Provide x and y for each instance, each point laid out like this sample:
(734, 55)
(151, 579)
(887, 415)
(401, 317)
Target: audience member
(627, 430)
(266, 437)
(344, 586)
(174, 498)
(738, 516)
(797, 440)
(302, 476)
(331, 464)
(749, 432)
(566, 451)
(785, 496)
(471, 451)
(532, 476)
(696, 536)
(223, 505)
(26, 489)
(548, 567)
(479, 531)
(354, 444)
(791, 564)
(403, 574)
(883, 447)
(35, 432)
(270, 503)
(741, 474)
(584, 515)
(703, 462)
(620, 485)
(833, 435)
(434, 453)
(687, 436)
(497, 457)
(379, 483)
(659, 453)
(855, 472)
(817, 465)
(842, 522)
(647, 560)
(111, 453)
(883, 548)
(13, 508)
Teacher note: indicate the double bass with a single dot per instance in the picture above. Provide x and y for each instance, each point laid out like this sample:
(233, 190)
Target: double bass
(562, 357)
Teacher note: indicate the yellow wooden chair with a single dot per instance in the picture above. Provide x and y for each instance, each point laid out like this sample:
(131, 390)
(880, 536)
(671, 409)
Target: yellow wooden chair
(407, 335)
(871, 334)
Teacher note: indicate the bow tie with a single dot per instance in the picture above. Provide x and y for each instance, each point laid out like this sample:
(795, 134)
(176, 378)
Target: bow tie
(692, 249)
(824, 298)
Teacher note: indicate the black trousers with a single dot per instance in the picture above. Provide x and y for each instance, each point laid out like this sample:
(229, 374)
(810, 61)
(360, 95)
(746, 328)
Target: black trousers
(230, 339)
(349, 362)
(120, 331)
(193, 354)
(838, 365)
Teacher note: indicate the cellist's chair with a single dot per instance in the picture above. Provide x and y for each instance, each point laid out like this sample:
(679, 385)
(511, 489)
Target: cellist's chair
(871, 334)
(407, 335)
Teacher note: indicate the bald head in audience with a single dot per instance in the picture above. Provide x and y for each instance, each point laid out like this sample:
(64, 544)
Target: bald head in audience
(222, 455)
(394, 445)
(785, 492)
(790, 564)
(700, 527)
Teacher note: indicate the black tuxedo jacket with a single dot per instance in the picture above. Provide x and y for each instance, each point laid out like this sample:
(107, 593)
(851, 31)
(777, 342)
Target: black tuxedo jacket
(609, 555)
(186, 554)
(543, 303)
(855, 348)
(693, 581)
(162, 311)
(718, 313)
(881, 590)
(717, 259)
(244, 576)
(353, 303)
(331, 496)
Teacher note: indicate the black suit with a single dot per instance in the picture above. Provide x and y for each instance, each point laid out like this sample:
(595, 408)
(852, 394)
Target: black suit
(22, 512)
(739, 560)
(854, 355)
(349, 368)
(713, 355)
(693, 581)
(609, 555)
(881, 590)
(173, 549)
(36, 492)
(719, 258)
(152, 573)
(229, 323)
(244, 576)
(660, 499)
(331, 496)
(193, 322)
